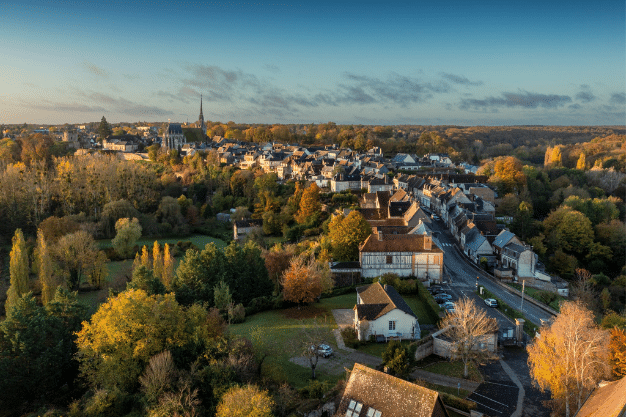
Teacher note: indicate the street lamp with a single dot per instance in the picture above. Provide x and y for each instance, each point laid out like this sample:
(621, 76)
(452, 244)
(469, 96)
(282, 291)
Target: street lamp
(477, 285)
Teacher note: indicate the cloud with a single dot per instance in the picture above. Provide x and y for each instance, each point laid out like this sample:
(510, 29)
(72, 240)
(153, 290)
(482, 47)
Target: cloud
(585, 96)
(95, 70)
(575, 106)
(396, 89)
(459, 79)
(271, 68)
(69, 107)
(618, 98)
(127, 107)
(523, 99)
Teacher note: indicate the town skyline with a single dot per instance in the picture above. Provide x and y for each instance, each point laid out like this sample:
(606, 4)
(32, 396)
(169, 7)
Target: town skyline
(314, 62)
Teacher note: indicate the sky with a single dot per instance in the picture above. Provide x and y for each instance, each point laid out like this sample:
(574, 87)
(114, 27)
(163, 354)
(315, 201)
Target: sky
(368, 62)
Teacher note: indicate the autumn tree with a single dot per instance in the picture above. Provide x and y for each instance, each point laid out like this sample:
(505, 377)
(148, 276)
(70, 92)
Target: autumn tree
(346, 234)
(125, 332)
(309, 204)
(468, 328)
(167, 276)
(45, 267)
(128, 232)
(617, 352)
(18, 270)
(246, 401)
(581, 164)
(570, 356)
(78, 258)
(302, 281)
(157, 260)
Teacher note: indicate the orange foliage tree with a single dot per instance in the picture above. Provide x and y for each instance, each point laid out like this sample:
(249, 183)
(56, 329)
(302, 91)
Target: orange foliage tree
(617, 352)
(302, 281)
(309, 203)
(570, 356)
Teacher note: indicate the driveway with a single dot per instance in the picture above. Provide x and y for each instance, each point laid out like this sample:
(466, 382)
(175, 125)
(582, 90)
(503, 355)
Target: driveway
(344, 317)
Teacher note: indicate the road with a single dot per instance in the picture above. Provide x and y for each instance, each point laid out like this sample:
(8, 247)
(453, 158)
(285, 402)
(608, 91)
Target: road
(462, 280)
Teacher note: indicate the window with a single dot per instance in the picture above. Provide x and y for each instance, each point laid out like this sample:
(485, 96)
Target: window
(389, 259)
(354, 409)
(392, 325)
(372, 412)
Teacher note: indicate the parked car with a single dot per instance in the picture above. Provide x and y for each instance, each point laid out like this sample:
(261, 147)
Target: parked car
(491, 302)
(323, 350)
(436, 218)
(443, 296)
(449, 307)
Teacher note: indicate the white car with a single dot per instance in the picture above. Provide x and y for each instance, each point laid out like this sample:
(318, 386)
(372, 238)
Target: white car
(491, 302)
(323, 350)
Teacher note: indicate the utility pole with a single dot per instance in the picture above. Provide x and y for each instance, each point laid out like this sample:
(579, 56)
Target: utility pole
(523, 287)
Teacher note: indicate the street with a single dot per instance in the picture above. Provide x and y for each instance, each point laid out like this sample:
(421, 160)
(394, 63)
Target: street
(462, 277)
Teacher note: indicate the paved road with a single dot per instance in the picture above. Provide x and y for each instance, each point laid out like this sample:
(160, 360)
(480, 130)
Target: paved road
(462, 276)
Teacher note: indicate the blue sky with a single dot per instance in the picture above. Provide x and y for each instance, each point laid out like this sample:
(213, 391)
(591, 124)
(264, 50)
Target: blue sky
(445, 62)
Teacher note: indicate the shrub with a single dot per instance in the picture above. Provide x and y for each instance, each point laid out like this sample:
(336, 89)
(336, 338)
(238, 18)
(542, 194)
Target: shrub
(237, 314)
(315, 389)
(350, 337)
(458, 403)
(546, 297)
(258, 304)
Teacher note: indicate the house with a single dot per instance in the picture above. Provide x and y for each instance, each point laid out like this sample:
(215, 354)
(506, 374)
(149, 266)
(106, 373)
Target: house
(382, 312)
(520, 258)
(405, 255)
(608, 400)
(371, 393)
(241, 228)
(475, 245)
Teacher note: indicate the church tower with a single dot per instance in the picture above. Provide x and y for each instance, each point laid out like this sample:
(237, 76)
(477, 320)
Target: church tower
(201, 119)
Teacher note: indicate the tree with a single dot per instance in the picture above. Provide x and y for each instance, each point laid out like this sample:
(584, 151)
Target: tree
(78, 257)
(157, 260)
(569, 230)
(617, 352)
(581, 163)
(309, 204)
(128, 232)
(44, 266)
(468, 327)
(346, 234)
(167, 276)
(301, 281)
(247, 401)
(222, 297)
(104, 128)
(570, 356)
(397, 358)
(18, 270)
(307, 344)
(125, 332)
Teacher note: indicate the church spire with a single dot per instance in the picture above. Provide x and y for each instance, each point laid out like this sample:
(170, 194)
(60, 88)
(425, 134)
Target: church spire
(201, 119)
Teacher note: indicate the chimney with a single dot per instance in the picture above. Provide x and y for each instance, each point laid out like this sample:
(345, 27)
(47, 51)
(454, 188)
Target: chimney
(380, 235)
(428, 242)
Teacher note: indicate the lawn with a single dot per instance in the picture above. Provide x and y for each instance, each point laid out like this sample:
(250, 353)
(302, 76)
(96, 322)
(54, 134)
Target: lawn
(535, 293)
(280, 335)
(199, 240)
(421, 309)
(454, 369)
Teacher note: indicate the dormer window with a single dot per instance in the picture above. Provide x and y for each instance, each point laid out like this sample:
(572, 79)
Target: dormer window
(354, 409)
(372, 412)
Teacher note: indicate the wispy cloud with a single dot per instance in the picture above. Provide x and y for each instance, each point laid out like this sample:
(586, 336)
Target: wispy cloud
(459, 79)
(522, 99)
(68, 107)
(271, 68)
(95, 70)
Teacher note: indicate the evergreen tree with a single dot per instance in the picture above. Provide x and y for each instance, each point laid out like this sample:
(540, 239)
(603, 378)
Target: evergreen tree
(104, 129)
(44, 265)
(19, 269)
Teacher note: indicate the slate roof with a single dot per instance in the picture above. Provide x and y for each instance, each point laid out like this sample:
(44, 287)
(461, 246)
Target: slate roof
(606, 401)
(503, 238)
(398, 208)
(378, 301)
(396, 243)
(249, 223)
(175, 128)
(513, 250)
(383, 198)
(474, 240)
(390, 395)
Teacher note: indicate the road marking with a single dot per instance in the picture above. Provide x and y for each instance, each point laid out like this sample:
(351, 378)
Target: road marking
(494, 401)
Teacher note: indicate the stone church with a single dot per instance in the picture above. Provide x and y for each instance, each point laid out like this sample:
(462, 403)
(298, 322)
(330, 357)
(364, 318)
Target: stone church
(174, 138)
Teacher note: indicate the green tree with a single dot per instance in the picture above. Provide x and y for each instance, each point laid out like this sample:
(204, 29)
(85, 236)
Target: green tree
(44, 266)
(569, 230)
(397, 358)
(104, 128)
(78, 258)
(128, 232)
(144, 279)
(115, 346)
(346, 234)
(222, 297)
(19, 271)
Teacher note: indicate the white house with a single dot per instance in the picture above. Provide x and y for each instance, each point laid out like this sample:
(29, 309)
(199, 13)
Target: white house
(402, 254)
(381, 312)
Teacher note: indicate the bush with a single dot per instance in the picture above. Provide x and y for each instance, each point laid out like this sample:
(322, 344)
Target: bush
(350, 337)
(315, 389)
(546, 297)
(458, 403)
(237, 314)
(258, 304)
(105, 403)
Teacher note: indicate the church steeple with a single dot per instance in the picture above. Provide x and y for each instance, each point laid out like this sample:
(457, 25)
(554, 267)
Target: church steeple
(201, 119)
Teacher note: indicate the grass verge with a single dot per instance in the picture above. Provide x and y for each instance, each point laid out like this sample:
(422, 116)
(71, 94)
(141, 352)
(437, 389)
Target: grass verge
(540, 295)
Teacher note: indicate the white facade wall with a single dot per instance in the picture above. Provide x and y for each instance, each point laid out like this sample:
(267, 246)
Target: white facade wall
(425, 266)
(405, 326)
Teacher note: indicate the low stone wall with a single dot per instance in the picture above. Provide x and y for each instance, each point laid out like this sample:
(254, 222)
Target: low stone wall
(425, 348)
